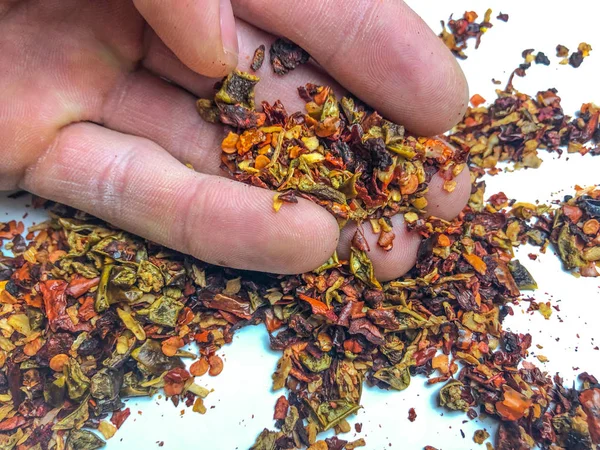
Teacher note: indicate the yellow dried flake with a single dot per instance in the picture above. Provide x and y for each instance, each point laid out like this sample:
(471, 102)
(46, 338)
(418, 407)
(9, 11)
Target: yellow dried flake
(132, 324)
(199, 406)
(545, 310)
(107, 429)
(355, 444)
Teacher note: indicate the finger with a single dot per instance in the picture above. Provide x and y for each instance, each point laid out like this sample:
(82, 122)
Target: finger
(444, 204)
(163, 62)
(387, 264)
(200, 32)
(379, 50)
(136, 185)
(401, 258)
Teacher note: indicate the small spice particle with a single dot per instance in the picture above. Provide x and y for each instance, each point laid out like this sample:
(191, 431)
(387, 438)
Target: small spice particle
(412, 414)
(480, 436)
(258, 58)
(562, 51)
(216, 365)
(541, 58)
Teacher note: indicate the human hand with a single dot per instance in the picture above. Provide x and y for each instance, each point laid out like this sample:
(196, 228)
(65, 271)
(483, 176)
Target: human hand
(87, 118)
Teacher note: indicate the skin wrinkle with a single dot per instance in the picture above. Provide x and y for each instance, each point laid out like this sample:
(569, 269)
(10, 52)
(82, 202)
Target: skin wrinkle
(115, 98)
(112, 183)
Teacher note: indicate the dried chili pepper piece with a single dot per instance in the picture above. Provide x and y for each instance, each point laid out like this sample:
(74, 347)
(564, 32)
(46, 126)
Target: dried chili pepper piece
(258, 58)
(286, 56)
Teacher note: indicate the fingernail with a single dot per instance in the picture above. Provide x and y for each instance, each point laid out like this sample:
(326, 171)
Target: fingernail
(229, 37)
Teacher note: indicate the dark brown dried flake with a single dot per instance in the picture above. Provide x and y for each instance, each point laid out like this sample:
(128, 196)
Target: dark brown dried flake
(258, 58)
(286, 56)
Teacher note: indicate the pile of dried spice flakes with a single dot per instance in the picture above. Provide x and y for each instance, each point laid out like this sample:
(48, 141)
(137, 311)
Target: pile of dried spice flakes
(92, 315)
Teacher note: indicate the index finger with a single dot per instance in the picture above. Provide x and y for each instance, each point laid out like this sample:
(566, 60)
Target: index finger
(380, 50)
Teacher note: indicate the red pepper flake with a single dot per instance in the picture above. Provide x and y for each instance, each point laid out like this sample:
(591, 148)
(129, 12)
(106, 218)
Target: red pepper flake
(175, 381)
(477, 100)
(12, 423)
(412, 414)
(281, 408)
(199, 367)
(318, 307)
(80, 285)
(513, 405)
(55, 304)
(590, 401)
(216, 365)
(119, 417)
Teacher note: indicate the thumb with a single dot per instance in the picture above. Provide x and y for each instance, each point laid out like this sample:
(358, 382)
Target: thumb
(201, 33)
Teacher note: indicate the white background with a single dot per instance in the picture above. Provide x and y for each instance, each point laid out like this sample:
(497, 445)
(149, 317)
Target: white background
(242, 400)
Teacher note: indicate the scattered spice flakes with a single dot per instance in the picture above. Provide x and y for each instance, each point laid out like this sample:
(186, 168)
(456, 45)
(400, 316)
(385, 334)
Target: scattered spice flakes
(503, 132)
(575, 233)
(542, 358)
(502, 17)
(286, 56)
(412, 414)
(258, 58)
(461, 30)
